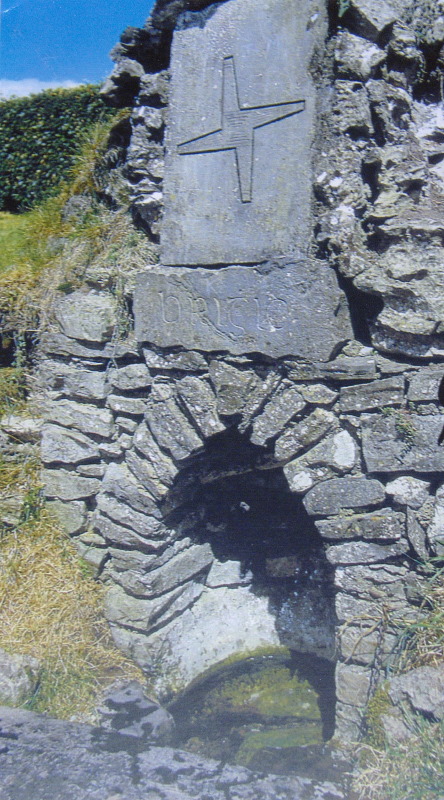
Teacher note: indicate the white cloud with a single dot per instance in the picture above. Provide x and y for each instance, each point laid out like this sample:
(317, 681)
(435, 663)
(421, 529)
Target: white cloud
(30, 86)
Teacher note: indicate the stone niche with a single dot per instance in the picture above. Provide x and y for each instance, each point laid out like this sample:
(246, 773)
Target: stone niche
(256, 466)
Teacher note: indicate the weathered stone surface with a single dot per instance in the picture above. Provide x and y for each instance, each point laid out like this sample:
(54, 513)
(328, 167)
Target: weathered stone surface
(188, 361)
(351, 109)
(71, 516)
(128, 568)
(168, 424)
(95, 556)
(221, 62)
(200, 402)
(381, 525)
(233, 387)
(306, 623)
(121, 536)
(85, 418)
(119, 481)
(58, 344)
(399, 442)
(63, 485)
(420, 689)
(283, 406)
(424, 385)
(89, 316)
(355, 58)
(241, 309)
(337, 454)
(364, 552)
(435, 531)
(408, 491)
(416, 534)
(76, 382)
(185, 566)
(130, 378)
(332, 496)
(388, 392)
(21, 429)
(304, 434)
(126, 424)
(60, 445)
(159, 470)
(44, 757)
(348, 368)
(370, 18)
(19, 677)
(352, 684)
(142, 614)
(318, 395)
(147, 525)
(126, 709)
(378, 581)
(134, 406)
(227, 573)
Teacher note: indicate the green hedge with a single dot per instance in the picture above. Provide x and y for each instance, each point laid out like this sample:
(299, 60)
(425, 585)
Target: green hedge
(39, 137)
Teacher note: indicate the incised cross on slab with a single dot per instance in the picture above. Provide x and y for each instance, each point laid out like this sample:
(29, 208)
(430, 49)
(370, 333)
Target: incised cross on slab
(237, 128)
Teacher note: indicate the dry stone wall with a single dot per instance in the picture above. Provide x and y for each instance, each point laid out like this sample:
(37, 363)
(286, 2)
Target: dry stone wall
(258, 466)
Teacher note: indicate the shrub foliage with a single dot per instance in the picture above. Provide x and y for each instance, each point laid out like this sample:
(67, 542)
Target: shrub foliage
(39, 139)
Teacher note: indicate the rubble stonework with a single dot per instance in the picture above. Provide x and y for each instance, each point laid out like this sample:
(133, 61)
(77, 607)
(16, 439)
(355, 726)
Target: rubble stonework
(318, 431)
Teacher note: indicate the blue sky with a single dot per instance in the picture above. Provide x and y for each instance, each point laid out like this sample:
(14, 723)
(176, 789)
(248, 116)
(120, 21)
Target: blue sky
(61, 42)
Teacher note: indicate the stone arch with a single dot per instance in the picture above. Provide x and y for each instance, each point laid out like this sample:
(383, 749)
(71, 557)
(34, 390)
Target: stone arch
(216, 453)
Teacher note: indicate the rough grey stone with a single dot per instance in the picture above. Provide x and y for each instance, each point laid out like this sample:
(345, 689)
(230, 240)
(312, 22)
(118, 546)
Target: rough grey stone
(352, 684)
(337, 453)
(89, 316)
(402, 441)
(76, 382)
(85, 418)
(241, 309)
(168, 424)
(188, 361)
(364, 552)
(95, 556)
(356, 58)
(21, 429)
(408, 491)
(304, 434)
(126, 405)
(121, 536)
(351, 109)
(129, 711)
(130, 378)
(128, 568)
(91, 470)
(280, 409)
(422, 689)
(375, 582)
(306, 623)
(63, 485)
(119, 481)
(182, 568)
(381, 525)
(201, 404)
(19, 677)
(424, 385)
(60, 345)
(416, 535)
(318, 395)
(388, 392)
(125, 515)
(212, 185)
(370, 18)
(126, 424)
(435, 531)
(330, 497)
(158, 470)
(348, 368)
(43, 757)
(227, 573)
(60, 445)
(143, 614)
(154, 88)
(72, 516)
(233, 387)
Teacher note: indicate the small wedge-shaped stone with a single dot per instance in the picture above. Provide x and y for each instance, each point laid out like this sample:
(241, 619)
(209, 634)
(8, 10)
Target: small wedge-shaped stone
(62, 446)
(125, 515)
(177, 571)
(330, 497)
(200, 402)
(85, 418)
(121, 536)
(134, 406)
(157, 464)
(169, 425)
(282, 407)
(304, 434)
(130, 378)
(233, 387)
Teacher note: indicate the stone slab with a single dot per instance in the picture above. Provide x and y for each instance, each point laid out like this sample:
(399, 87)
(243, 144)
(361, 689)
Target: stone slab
(402, 442)
(240, 132)
(297, 310)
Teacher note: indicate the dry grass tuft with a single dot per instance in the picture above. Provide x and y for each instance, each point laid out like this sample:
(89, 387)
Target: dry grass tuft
(51, 608)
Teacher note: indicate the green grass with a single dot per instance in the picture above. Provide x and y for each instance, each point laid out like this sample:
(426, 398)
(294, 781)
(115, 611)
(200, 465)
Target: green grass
(12, 237)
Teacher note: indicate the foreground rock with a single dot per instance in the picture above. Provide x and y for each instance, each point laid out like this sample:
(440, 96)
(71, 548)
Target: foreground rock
(42, 757)
(19, 677)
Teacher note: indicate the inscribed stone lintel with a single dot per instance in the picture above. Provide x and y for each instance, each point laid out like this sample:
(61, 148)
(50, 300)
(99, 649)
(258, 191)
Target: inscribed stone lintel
(295, 310)
(238, 178)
